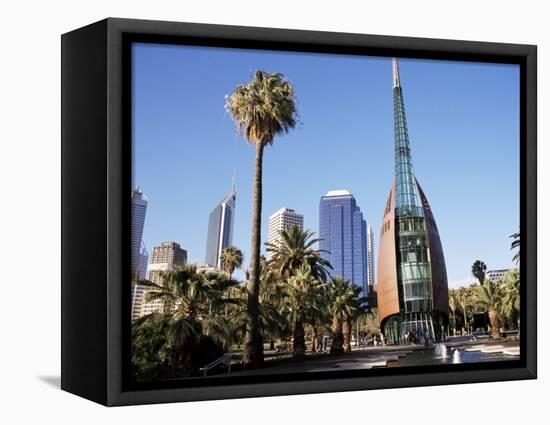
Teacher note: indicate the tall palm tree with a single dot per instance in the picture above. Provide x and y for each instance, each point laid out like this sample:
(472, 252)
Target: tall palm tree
(511, 288)
(261, 109)
(453, 304)
(301, 290)
(318, 316)
(343, 305)
(489, 297)
(358, 307)
(294, 250)
(232, 258)
(302, 270)
(515, 244)
(271, 321)
(464, 300)
(372, 324)
(478, 270)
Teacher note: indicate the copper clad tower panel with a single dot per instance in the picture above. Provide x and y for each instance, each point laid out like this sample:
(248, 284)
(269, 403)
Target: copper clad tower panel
(440, 287)
(386, 283)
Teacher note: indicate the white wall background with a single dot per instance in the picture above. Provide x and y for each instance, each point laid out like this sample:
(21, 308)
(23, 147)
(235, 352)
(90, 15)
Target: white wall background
(30, 209)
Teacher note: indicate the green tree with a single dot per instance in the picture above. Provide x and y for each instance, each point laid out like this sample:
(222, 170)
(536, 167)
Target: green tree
(511, 288)
(317, 317)
(190, 298)
(152, 349)
(261, 109)
(272, 322)
(453, 305)
(302, 270)
(478, 271)
(232, 259)
(359, 309)
(301, 290)
(294, 250)
(372, 324)
(343, 306)
(464, 299)
(489, 297)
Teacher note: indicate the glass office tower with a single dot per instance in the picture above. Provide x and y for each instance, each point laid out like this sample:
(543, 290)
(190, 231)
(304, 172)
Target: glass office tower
(343, 233)
(412, 278)
(139, 208)
(220, 228)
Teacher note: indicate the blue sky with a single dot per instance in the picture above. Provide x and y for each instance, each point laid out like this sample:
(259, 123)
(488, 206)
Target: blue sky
(463, 123)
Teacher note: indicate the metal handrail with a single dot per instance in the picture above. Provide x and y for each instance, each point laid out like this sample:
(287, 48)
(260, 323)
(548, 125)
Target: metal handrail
(217, 362)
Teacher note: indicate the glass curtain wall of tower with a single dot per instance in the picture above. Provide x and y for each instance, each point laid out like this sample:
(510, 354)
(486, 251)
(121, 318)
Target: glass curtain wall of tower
(139, 208)
(220, 229)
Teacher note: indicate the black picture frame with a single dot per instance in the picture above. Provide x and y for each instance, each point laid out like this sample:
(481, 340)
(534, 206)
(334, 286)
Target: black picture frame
(96, 170)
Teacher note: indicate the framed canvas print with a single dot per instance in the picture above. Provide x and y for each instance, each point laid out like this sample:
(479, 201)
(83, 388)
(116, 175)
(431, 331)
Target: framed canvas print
(252, 212)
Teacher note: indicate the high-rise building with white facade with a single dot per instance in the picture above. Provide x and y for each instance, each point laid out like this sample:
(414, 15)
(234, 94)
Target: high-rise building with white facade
(280, 220)
(496, 275)
(370, 256)
(138, 292)
(220, 228)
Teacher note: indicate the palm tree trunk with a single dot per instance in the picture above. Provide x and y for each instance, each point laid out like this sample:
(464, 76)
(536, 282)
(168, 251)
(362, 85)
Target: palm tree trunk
(465, 321)
(299, 341)
(314, 338)
(495, 324)
(454, 322)
(252, 354)
(346, 330)
(337, 338)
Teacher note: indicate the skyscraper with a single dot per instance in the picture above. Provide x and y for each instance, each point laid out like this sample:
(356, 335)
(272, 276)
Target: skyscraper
(220, 228)
(139, 208)
(370, 257)
(280, 220)
(165, 257)
(138, 253)
(169, 253)
(412, 277)
(343, 233)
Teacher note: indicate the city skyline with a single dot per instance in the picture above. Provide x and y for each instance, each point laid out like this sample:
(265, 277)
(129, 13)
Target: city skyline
(172, 218)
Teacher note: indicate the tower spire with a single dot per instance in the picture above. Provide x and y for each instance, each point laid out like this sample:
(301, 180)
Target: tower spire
(395, 66)
(406, 196)
(234, 184)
